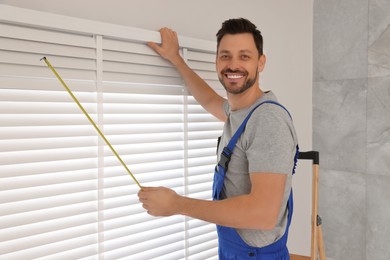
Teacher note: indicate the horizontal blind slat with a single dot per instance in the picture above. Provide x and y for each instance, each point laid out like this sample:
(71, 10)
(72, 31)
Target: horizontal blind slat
(40, 221)
(51, 36)
(35, 246)
(31, 87)
(46, 144)
(17, 70)
(127, 46)
(13, 195)
(89, 251)
(27, 169)
(32, 59)
(131, 246)
(10, 44)
(28, 205)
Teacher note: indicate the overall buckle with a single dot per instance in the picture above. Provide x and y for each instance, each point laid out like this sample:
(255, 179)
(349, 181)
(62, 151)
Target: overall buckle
(225, 158)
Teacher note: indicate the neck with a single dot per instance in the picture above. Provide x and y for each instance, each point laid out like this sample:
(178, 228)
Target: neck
(243, 100)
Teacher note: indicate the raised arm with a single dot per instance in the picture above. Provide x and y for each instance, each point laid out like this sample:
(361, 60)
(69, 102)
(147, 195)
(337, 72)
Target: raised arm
(203, 93)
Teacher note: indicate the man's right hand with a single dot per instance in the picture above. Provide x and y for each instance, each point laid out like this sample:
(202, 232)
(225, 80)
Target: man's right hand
(169, 47)
(203, 93)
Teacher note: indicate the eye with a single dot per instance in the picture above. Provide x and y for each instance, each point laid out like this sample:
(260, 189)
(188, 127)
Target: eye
(245, 57)
(224, 57)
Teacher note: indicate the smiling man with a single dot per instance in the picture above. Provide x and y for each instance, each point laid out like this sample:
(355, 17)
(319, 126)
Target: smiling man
(257, 152)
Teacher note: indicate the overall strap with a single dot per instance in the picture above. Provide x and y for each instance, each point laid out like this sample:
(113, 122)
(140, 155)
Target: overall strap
(228, 150)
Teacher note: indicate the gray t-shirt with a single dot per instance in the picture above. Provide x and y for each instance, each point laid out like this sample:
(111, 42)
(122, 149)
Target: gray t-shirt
(268, 144)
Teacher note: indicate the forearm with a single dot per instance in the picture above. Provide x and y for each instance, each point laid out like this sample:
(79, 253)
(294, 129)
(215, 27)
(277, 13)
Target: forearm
(199, 88)
(257, 210)
(238, 212)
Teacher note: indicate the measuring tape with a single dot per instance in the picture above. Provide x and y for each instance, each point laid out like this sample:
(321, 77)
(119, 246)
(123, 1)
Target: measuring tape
(90, 119)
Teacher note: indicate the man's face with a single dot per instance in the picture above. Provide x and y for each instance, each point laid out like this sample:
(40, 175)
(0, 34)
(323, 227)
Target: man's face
(238, 63)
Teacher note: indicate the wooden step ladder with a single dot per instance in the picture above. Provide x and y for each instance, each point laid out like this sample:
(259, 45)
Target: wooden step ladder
(317, 242)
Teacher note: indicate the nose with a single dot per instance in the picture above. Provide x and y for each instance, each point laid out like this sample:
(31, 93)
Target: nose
(233, 64)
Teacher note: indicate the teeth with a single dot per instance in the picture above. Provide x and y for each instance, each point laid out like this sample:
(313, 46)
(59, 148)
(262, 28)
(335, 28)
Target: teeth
(229, 76)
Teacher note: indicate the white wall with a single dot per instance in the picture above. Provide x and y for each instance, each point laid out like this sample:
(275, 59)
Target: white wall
(287, 29)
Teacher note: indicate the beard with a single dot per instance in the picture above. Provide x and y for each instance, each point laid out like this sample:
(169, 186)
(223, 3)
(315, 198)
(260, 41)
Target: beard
(249, 82)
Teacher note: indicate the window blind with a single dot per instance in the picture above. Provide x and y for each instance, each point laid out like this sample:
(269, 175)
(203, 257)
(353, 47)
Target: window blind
(63, 194)
(48, 151)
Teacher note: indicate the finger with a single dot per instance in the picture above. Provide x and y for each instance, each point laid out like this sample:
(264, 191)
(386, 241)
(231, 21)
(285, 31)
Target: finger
(165, 29)
(145, 206)
(152, 213)
(146, 189)
(143, 194)
(142, 199)
(166, 34)
(141, 191)
(156, 47)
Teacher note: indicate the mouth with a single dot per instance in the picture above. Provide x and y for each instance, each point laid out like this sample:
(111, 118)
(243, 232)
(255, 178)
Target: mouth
(233, 75)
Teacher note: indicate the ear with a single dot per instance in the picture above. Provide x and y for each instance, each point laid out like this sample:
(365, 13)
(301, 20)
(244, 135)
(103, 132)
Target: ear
(261, 63)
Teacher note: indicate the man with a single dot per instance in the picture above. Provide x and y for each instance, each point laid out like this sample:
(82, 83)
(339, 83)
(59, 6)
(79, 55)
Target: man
(252, 204)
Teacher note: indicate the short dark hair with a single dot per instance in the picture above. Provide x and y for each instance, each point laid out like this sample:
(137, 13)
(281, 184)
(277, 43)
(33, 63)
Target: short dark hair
(241, 25)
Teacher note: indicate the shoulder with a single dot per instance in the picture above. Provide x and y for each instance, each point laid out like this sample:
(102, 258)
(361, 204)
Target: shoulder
(268, 105)
(270, 122)
(269, 113)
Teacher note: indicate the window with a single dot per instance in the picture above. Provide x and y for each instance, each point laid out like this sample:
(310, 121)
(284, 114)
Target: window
(63, 194)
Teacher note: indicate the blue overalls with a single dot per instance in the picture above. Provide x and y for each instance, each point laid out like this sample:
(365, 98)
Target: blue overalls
(231, 245)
